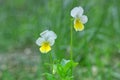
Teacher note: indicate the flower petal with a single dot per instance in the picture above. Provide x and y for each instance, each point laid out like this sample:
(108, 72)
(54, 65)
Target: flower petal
(44, 33)
(78, 25)
(77, 12)
(48, 34)
(45, 48)
(52, 35)
(39, 41)
(84, 19)
(51, 41)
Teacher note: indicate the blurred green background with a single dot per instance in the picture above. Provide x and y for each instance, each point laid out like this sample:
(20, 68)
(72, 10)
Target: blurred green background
(97, 48)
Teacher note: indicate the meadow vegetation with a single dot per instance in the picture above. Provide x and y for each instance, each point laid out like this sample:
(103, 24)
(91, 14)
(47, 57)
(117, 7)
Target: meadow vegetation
(96, 48)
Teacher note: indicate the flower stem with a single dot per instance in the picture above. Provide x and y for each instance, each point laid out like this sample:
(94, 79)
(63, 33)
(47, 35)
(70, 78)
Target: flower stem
(71, 45)
(51, 61)
(71, 40)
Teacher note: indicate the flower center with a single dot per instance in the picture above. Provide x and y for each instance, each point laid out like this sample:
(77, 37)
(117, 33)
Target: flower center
(45, 47)
(78, 25)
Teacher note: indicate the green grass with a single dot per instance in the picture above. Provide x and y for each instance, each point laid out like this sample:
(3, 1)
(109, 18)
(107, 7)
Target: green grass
(97, 46)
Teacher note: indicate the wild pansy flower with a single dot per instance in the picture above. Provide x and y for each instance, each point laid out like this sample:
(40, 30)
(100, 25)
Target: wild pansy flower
(46, 40)
(79, 18)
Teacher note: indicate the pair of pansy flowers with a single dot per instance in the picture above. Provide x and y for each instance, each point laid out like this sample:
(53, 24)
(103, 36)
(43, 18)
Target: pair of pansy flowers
(47, 37)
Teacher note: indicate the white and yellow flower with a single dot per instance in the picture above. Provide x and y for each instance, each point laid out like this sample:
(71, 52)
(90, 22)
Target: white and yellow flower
(79, 18)
(46, 40)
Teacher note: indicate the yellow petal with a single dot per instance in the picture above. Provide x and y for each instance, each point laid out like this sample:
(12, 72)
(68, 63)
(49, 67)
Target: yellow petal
(78, 25)
(45, 48)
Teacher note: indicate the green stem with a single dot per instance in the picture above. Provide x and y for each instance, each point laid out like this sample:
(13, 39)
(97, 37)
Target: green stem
(51, 61)
(71, 40)
(39, 68)
(71, 44)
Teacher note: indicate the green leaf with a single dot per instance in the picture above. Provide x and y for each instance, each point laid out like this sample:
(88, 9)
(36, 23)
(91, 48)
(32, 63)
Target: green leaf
(64, 62)
(49, 76)
(60, 70)
(54, 69)
(68, 63)
(64, 68)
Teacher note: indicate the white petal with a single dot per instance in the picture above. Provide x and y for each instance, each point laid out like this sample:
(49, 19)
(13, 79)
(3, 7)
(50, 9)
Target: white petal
(44, 33)
(77, 12)
(52, 34)
(48, 34)
(83, 19)
(51, 41)
(39, 41)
